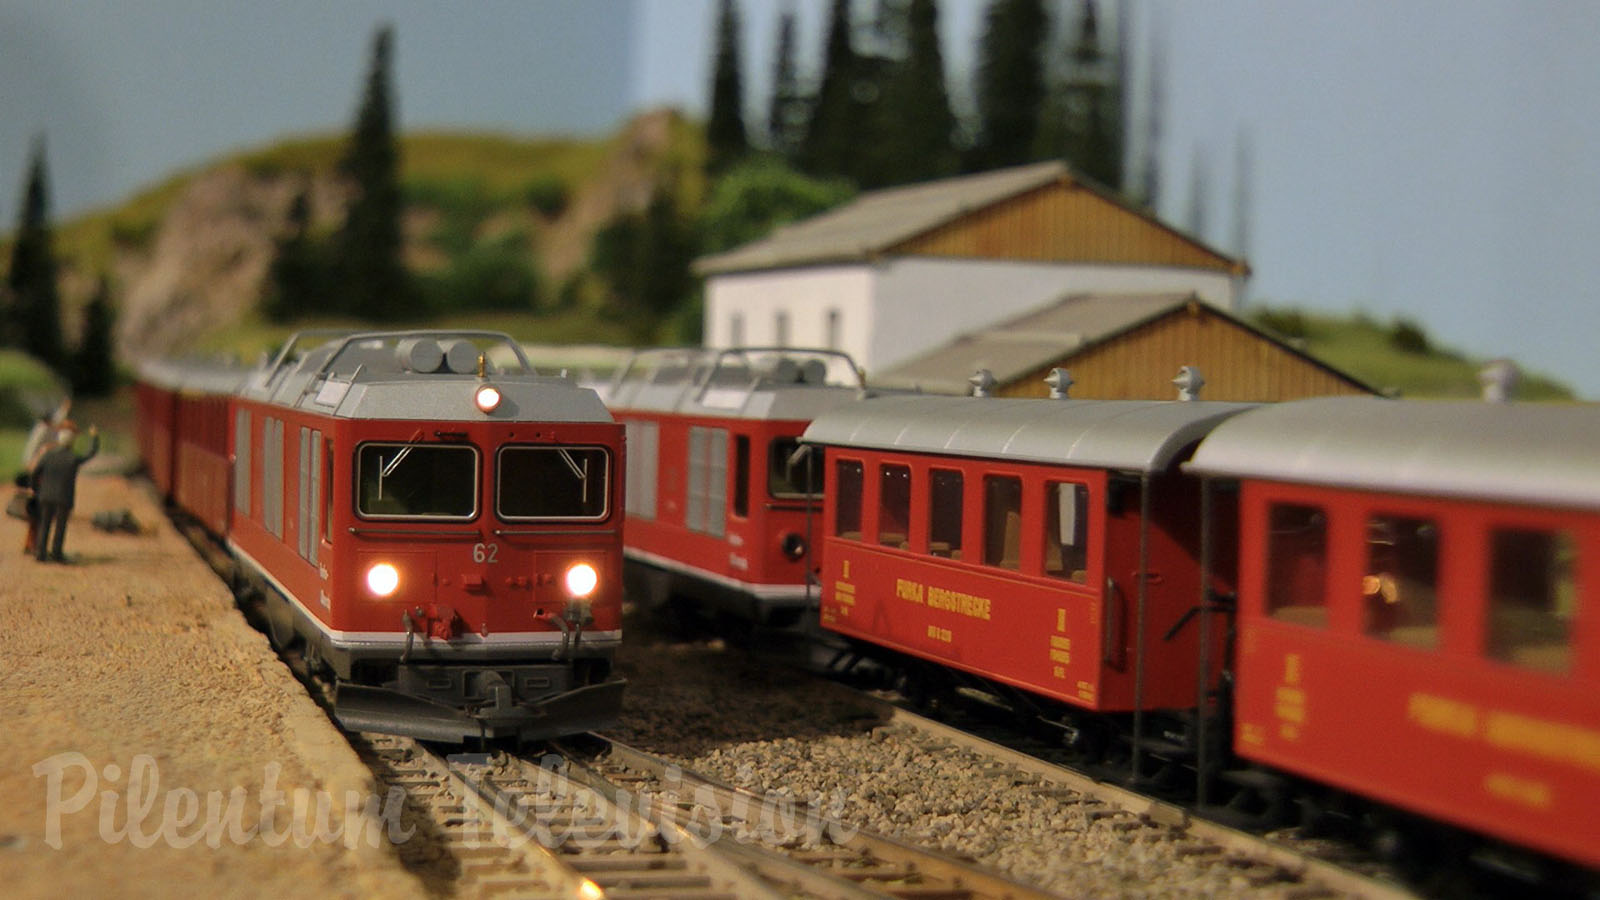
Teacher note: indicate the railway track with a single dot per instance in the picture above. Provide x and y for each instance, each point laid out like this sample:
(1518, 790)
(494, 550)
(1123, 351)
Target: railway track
(622, 824)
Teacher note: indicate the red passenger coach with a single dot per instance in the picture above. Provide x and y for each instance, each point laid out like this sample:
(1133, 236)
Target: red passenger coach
(439, 525)
(1417, 618)
(1046, 545)
(717, 514)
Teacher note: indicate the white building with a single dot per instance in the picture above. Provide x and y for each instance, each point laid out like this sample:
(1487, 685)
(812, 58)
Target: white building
(900, 271)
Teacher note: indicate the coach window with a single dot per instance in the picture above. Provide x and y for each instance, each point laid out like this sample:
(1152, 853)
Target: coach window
(552, 482)
(427, 481)
(1297, 564)
(1002, 521)
(1532, 598)
(1399, 588)
(847, 498)
(944, 513)
(1066, 541)
(799, 481)
(894, 505)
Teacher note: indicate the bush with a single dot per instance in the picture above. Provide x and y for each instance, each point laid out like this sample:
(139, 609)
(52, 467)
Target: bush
(1408, 337)
(1288, 323)
(548, 194)
(492, 275)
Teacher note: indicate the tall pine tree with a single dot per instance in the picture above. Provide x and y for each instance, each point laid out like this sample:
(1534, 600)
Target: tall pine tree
(726, 141)
(373, 278)
(1011, 83)
(787, 112)
(93, 367)
(296, 283)
(919, 125)
(34, 322)
(832, 138)
(1087, 116)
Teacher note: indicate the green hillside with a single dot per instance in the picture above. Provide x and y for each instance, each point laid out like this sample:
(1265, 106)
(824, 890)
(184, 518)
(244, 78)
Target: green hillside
(1397, 358)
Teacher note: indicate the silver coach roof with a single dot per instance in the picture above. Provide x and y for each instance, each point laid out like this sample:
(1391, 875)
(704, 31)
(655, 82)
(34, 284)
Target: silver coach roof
(1129, 435)
(193, 376)
(1516, 452)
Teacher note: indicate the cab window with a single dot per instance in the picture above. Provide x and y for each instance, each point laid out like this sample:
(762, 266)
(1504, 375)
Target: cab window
(547, 482)
(803, 480)
(421, 481)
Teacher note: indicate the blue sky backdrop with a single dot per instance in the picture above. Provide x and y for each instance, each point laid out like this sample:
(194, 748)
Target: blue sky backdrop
(1431, 158)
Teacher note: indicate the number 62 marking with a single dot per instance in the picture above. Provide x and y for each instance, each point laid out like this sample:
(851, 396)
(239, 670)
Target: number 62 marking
(485, 553)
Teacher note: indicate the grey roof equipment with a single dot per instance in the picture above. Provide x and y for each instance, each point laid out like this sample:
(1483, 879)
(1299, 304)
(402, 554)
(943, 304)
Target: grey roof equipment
(746, 383)
(1126, 435)
(1548, 455)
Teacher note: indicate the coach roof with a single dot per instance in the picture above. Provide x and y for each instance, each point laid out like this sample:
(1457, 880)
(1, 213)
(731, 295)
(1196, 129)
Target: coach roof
(1514, 452)
(1128, 435)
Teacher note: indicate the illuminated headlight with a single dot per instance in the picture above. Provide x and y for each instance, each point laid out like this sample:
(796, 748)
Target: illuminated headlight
(487, 397)
(581, 580)
(383, 579)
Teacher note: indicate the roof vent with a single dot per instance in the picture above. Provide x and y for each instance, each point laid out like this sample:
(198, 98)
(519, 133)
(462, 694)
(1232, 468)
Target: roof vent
(1059, 380)
(982, 382)
(1189, 383)
(1499, 379)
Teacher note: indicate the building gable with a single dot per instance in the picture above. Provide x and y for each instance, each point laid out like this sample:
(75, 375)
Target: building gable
(1065, 221)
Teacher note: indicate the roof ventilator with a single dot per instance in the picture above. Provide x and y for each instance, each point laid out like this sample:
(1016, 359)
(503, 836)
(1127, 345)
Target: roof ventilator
(982, 382)
(1189, 383)
(1060, 381)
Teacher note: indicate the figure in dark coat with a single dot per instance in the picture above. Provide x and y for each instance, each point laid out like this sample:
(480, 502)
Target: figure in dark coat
(55, 485)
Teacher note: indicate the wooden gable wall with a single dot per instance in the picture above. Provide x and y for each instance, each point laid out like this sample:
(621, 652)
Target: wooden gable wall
(1237, 363)
(1065, 222)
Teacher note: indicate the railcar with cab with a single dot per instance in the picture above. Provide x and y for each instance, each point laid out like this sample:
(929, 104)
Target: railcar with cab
(434, 523)
(717, 515)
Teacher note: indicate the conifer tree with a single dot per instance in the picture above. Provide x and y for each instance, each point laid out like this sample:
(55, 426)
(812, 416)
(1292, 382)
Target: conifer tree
(786, 113)
(35, 316)
(295, 281)
(919, 125)
(1086, 116)
(373, 278)
(726, 141)
(94, 369)
(1011, 83)
(832, 138)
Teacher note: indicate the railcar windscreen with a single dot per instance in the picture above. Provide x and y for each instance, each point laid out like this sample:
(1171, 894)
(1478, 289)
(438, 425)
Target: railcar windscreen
(803, 479)
(553, 482)
(417, 481)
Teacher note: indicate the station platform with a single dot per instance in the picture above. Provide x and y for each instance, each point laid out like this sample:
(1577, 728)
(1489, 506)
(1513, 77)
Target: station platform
(153, 743)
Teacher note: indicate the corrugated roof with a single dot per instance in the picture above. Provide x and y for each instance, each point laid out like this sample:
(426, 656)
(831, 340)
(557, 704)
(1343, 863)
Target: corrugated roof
(1127, 435)
(878, 220)
(1512, 452)
(1016, 347)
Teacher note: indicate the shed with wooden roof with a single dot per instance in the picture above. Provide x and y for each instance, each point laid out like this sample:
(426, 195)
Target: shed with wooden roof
(896, 272)
(1124, 347)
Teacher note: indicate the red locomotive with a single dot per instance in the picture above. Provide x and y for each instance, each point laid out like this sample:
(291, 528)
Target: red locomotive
(715, 510)
(1413, 586)
(438, 525)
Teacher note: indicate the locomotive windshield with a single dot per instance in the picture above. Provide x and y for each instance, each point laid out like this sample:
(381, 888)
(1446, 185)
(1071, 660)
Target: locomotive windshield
(547, 482)
(421, 481)
(803, 479)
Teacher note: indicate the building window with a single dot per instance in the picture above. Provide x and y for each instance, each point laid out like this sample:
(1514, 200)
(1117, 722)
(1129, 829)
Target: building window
(894, 505)
(944, 513)
(847, 477)
(780, 329)
(1399, 589)
(1532, 598)
(1297, 564)
(1066, 542)
(833, 329)
(736, 330)
(1002, 521)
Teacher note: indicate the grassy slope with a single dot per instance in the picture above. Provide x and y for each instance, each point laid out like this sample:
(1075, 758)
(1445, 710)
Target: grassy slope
(1362, 347)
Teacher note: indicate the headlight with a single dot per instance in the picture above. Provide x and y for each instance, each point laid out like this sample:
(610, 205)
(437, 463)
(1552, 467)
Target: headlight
(383, 579)
(793, 545)
(581, 580)
(487, 397)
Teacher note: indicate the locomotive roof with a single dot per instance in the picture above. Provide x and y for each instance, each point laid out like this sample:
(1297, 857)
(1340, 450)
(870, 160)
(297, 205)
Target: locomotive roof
(393, 375)
(746, 383)
(1512, 452)
(1128, 435)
